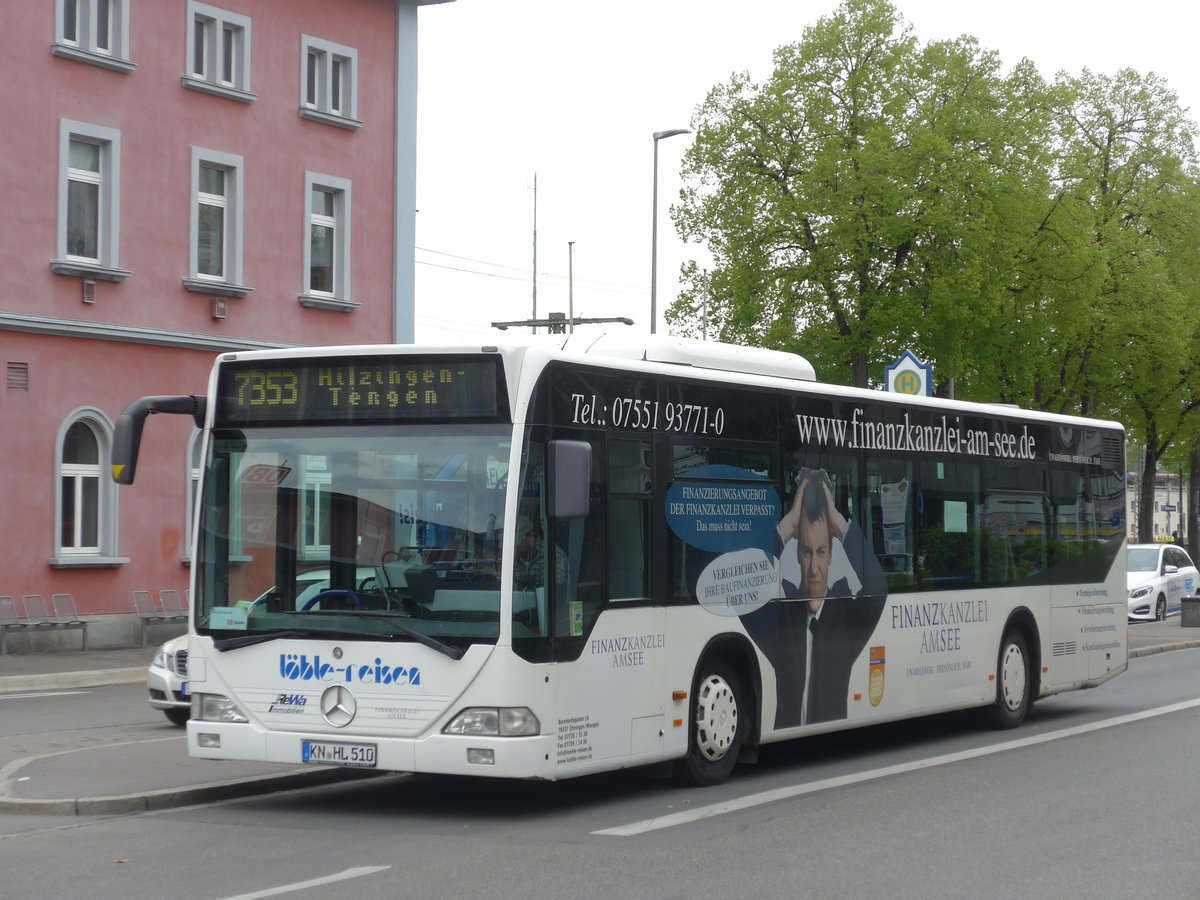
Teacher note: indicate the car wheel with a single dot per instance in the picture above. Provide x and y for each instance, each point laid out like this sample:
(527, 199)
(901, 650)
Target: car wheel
(178, 715)
(1014, 686)
(1160, 610)
(718, 726)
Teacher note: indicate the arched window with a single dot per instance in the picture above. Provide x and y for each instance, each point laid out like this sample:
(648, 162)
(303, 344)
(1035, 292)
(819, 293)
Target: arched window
(195, 463)
(79, 497)
(86, 502)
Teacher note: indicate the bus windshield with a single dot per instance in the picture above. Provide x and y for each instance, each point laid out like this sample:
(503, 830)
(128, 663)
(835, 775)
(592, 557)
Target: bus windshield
(378, 532)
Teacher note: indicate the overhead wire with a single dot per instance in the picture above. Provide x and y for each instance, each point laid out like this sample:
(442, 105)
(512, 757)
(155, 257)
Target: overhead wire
(591, 284)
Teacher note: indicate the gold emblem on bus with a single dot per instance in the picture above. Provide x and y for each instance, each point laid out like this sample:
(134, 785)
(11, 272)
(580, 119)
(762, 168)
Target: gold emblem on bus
(875, 676)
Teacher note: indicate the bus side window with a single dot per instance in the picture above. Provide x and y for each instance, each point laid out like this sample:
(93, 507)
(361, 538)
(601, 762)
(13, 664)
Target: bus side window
(948, 538)
(890, 500)
(630, 487)
(746, 464)
(1014, 517)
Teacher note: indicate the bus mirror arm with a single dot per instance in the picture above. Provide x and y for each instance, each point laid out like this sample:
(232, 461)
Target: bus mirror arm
(571, 478)
(127, 437)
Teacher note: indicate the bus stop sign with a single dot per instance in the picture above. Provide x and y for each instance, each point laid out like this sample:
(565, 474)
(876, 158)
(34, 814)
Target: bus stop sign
(908, 375)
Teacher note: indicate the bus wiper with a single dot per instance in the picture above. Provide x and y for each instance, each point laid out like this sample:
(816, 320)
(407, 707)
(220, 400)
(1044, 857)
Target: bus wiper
(247, 640)
(418, 636)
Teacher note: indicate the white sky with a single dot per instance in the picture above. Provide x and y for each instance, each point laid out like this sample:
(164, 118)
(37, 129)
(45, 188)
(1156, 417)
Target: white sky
(574, 91)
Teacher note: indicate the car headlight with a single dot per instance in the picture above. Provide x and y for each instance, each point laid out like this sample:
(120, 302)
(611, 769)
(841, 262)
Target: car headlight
(160, 660)
(216, 708)
(503, 721)
(1140, 592)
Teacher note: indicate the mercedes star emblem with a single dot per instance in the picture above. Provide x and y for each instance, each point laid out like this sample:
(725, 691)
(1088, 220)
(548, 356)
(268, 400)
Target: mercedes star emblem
(338, 706)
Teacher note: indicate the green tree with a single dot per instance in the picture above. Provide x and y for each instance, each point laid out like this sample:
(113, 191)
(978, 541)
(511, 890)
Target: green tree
(1129, 156)
(863, 200)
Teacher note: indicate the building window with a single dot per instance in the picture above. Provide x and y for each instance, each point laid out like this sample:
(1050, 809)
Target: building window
(323, 238)
(79, 510)
(329, 83)
(211, 204)
(315, 507)
(195, 465)
(93, 31)
(215, 252)
(327, 245)
(84, 184)
(218, 53)
(86, 502)
(89, 202)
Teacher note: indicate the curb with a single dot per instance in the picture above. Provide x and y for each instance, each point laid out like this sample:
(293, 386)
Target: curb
(89, 678)
(1163, 648)
(123, 804)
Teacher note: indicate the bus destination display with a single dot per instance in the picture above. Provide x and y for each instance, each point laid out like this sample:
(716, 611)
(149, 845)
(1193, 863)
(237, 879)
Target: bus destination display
(373, 389)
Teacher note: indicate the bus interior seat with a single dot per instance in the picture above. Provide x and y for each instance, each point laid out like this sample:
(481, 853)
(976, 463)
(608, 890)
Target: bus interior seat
(422, 583)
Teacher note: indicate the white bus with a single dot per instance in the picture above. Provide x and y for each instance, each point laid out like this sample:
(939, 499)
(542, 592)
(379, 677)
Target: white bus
(591, 552)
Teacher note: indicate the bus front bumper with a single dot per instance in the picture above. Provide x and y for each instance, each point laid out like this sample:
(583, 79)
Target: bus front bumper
(500, 757)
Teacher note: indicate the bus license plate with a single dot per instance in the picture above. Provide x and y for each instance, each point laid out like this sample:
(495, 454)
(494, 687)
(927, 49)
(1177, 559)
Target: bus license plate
(325, 753)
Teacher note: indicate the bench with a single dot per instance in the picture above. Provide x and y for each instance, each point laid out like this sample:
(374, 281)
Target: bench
(66, 616)
(38, 616)
(10, 621)
(171, 604)
(148, 614)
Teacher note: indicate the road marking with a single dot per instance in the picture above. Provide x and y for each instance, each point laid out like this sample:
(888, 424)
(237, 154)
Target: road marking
(40, 694)
(764, 797)
(315, 882)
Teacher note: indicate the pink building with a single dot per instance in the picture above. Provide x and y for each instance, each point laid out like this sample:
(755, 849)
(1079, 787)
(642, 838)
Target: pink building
(190, 178)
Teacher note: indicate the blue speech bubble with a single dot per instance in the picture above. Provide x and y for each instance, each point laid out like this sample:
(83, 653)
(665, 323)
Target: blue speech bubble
(724, 508)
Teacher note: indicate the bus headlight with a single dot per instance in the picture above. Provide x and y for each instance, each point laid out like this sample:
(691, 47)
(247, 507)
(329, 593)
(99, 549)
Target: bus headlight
(216, 708)
(503, 721)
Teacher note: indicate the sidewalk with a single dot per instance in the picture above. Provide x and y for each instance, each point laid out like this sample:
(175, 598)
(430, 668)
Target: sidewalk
(139, 772)
(1148, 638)
(156, 772)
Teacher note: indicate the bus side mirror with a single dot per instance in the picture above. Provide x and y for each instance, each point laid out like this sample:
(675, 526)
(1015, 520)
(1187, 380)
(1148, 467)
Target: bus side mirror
(571, 479)
(127, 436)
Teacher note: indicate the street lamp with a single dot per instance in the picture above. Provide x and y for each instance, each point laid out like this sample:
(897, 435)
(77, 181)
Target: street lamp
(658, 136)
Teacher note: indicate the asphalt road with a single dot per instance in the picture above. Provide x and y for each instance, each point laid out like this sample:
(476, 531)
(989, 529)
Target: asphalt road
(1094, 795)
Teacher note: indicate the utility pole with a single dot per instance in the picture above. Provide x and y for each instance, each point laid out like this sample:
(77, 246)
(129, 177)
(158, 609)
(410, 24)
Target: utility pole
(534, 316)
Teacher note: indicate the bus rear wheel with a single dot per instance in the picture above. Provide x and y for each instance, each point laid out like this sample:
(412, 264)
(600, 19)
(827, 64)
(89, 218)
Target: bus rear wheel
(1014, 684)
(717, 728)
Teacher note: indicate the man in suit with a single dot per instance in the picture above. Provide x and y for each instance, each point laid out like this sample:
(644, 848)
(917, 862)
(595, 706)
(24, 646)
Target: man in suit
(814, 635)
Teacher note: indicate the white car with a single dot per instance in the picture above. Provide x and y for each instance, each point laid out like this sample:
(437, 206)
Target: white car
(167, 681)
(1159, 577)
(167, 676)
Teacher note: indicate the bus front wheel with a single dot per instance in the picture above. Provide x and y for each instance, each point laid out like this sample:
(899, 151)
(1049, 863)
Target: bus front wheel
(717, 728)
(1014, 684)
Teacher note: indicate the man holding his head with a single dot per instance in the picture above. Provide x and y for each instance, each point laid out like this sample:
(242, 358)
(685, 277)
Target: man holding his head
(813, 644)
